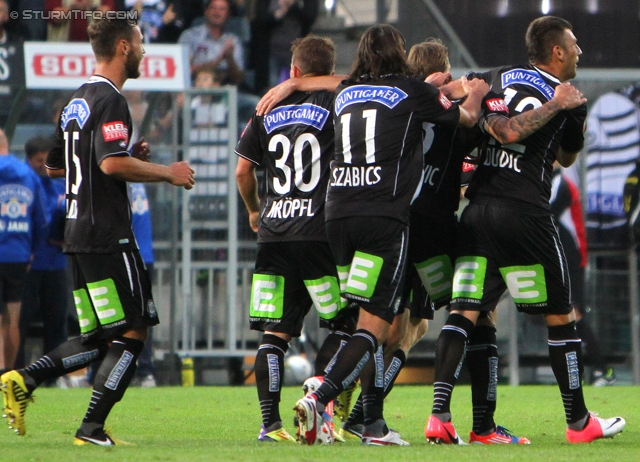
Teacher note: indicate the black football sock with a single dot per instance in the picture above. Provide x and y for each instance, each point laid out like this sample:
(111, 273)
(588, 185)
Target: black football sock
(565, 351)
(328, 352)
(396, 363)
(450, 349)
(70, 356)
(482, 362)
(372, 379)
(113, 378)
(269, 369)
(350, 361)
(356, 416)
(393, 366)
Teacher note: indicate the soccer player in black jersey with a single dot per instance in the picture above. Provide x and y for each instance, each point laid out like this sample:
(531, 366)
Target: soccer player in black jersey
(432, 241)
(295, 269)
(433, 225)
(112, 289)
(507, 238)
(376, 173)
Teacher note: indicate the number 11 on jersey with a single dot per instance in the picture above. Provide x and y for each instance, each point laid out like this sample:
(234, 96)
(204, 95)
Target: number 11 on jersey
(73, 178)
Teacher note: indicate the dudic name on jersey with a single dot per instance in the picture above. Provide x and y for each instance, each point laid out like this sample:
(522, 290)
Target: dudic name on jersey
(430, 173)
(527, 77)
(389, 96)
(307, 114)
(497, 157)
(77, 110)
(289, 208)
(355, 176)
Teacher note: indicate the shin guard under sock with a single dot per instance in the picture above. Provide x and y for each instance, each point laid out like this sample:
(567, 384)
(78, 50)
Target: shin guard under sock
(482, 362)
(565, 351)
(70, 356)
(113, 378)
(269, 370)
(450, 349)
(348, 365)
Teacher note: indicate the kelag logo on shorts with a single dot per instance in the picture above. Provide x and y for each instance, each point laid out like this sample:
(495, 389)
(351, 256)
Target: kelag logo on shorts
(307, 114)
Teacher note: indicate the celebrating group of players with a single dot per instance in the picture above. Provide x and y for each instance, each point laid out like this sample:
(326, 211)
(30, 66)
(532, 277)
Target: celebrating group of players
(377, 159)
(361, 184)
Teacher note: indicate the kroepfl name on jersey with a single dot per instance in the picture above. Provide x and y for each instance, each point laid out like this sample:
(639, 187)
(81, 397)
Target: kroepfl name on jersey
(289, 208)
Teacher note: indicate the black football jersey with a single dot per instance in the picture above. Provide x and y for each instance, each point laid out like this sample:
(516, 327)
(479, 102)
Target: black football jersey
(378, 163)
(519, 171)
(294, 144)
(93, 125)
(444, 150)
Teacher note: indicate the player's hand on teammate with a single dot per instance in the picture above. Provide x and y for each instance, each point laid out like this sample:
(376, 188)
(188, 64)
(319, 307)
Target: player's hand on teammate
(568, 96)
(475, 86)
(141, 150)
(182, 175)
(438, 79)
(274, 96)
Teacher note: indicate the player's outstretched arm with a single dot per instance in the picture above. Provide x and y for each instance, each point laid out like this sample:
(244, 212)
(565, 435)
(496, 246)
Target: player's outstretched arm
(131, 169)
(248, 187)
(281, 91)
(519, 127)
(470, 110)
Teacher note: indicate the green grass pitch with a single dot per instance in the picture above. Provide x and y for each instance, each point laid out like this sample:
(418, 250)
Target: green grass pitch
(222, 423)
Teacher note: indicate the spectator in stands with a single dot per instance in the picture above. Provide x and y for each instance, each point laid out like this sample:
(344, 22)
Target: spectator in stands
(151, 16)
(211, 44)
(22, 223)
(34, 28)
(46, 287)
(277, 23)
(4, 19)
(73, 29)
(179, 16)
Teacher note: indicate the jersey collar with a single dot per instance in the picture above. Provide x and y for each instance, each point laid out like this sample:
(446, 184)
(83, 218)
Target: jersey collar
(98, 78)
(547, 75)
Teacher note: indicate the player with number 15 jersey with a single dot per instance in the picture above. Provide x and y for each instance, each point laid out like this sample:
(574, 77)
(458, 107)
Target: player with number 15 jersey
(94, 125)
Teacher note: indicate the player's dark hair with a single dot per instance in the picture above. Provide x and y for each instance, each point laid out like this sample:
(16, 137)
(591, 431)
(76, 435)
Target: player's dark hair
(104, 34)
(429, 56)
(37, 144)
(542, 35)
(380, 52)
(314, 55)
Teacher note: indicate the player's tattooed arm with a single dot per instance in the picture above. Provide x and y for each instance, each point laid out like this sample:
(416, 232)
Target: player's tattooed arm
(515, 129)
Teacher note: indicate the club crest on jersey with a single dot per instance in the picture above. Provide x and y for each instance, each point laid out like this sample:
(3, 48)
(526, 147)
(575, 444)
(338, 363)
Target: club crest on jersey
(116, 130)
(307, 114)
(497, 105)
(389, 96)
(77, 110)
(527, 77)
